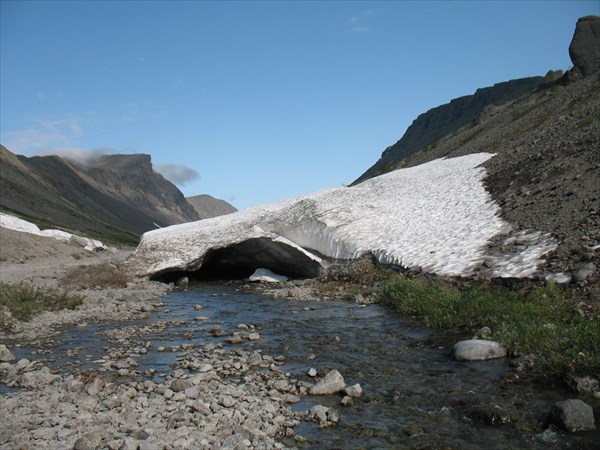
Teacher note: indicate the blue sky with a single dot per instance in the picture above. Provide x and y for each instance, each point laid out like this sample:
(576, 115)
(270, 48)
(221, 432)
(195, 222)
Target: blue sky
(263, 100)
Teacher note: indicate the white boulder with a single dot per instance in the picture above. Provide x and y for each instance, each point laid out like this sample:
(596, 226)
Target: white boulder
(332, 383)
(478, 350)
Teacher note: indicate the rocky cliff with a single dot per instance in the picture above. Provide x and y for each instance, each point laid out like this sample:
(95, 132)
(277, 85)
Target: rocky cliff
(443, 120)
(116, 197)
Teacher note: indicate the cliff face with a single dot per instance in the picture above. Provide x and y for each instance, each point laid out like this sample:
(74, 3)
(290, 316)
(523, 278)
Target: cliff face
(438, 122)
(118, 197)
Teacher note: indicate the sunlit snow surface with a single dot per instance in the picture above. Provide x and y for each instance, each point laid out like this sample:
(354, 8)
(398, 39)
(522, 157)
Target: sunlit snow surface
(436, 216)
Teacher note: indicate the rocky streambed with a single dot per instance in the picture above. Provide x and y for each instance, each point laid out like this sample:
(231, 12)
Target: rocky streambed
(226, 367)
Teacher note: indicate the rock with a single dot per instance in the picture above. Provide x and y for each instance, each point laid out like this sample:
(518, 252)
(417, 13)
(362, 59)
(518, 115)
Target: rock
(573, 415)
(205, 368)
(267, 276)
(140, 435)
(491, 414)
(585, 45)
(478, 350)
(312, 372)
(89, 441)
(5, 354)
(358, 298)
(483, 333)
(95, 386)
(558, 278)
(354, 391)
(583, 385)
(332, 383)
(234, 340)
(182, 282)
(81, 241)
(324, 415)
(523, 363)
(180, 385)
(198, 307)
(38, 378)
(290, 398)
(347, 401)
(254, 336)
(584, 272)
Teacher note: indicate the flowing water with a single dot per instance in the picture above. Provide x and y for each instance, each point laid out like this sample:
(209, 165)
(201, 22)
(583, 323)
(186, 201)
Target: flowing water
(416, 395)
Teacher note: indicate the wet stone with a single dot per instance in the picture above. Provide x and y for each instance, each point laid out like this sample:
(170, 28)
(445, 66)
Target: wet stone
(573, 415)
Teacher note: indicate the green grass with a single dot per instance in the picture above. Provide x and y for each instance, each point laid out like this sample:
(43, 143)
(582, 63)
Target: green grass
(539, 321)
(24, 301)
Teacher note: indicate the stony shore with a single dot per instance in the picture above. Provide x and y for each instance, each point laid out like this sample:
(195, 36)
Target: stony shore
(214, 397)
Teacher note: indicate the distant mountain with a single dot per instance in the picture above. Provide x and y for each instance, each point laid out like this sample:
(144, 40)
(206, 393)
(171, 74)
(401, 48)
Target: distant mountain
(207, 206)
(115, 197)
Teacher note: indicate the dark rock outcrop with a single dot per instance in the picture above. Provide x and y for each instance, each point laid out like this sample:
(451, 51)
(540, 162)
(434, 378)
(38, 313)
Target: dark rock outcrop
(207, 206)
(438, 122)
(585, 47)
(116, 197)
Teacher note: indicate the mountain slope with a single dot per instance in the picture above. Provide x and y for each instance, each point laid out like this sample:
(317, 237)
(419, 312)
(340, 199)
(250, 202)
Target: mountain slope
(207, 206)
(546, 172)
(445, 119)
(118, 197)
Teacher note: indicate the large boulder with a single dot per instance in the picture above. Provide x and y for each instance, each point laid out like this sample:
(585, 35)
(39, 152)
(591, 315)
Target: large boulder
(573, 415)
(5, 354)
(478, 350)
(332, 383)
(585, 46)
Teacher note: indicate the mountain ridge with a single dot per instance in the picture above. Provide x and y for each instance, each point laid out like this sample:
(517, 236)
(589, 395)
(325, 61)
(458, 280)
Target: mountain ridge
(117, 197)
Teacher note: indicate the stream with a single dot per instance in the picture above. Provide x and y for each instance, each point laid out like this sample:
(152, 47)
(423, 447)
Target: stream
(415, 394)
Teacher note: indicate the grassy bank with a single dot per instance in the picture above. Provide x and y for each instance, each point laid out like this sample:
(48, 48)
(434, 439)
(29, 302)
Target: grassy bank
(21, 302)
(542, 321)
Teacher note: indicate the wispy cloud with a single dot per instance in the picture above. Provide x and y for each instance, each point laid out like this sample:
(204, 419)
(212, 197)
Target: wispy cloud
(77, 154)
(357, 22)
(44, 134)
(140, 110)
(177, 173)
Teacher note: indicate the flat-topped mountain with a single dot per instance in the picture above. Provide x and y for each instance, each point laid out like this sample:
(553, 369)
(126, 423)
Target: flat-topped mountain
(116, 197)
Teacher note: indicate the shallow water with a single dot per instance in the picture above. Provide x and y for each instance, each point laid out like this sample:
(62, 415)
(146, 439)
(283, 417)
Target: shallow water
(416, 395)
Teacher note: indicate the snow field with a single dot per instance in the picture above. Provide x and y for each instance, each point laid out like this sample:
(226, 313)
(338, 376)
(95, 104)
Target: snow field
(436, 216)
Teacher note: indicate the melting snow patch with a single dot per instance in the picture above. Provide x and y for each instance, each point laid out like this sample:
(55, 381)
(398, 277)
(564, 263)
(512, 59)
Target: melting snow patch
(266, 275)
(437, 216)
(16, 224)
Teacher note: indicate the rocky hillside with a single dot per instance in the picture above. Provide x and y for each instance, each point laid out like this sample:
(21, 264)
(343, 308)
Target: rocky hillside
(546, 172)
(445, 119)
(207, 206)
(116, 197)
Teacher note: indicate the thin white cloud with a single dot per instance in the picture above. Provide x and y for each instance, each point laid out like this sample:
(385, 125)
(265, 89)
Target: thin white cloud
(77, 154)
(357, 22)
(138, 111)
(44, 135)
(177, 173)
(361, 29)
